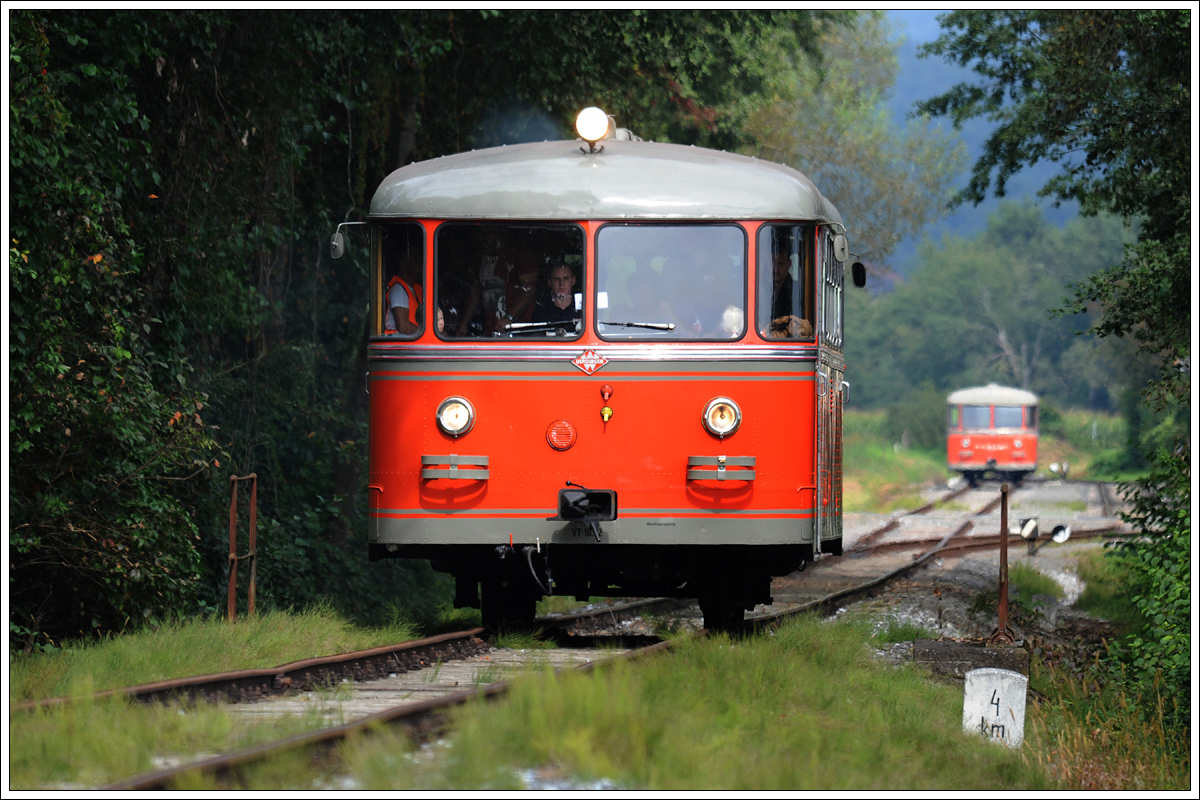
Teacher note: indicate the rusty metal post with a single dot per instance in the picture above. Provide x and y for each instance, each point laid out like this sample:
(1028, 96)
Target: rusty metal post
(1002, 633)
(234, 558)
(253, 555)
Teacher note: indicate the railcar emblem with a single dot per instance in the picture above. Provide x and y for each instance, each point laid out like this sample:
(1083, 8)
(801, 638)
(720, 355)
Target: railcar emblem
(589, 361)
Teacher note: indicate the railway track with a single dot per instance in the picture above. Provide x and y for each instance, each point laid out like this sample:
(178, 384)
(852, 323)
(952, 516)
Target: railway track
(393, 679)
(413, 701)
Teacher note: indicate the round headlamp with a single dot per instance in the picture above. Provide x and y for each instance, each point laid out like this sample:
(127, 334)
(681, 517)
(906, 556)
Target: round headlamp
(722, 416)
(591, 124)
(455, 416)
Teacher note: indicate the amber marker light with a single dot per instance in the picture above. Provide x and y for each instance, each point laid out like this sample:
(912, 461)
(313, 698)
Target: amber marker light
(455, 416)
(722, 416)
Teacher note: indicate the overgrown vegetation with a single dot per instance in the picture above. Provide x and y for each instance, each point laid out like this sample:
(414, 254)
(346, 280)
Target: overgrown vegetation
(193, 647)
(1155, 660)
(756, 714)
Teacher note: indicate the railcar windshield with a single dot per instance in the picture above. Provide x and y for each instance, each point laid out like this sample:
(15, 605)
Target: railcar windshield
(671, 282)
(508, 281)
(785, 269)
(976, 417)
(1008, 416)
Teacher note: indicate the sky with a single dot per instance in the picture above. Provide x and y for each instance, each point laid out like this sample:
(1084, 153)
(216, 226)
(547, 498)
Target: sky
(923, 78)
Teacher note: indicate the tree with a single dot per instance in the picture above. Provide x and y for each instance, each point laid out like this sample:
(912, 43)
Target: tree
(829, 125)
(1105, 94)
(974, 311)
(103, 426)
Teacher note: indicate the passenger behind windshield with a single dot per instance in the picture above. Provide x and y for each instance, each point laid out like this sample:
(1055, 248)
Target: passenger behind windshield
(490, 279)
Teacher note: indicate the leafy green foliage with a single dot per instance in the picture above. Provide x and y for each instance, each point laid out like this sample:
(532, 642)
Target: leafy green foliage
(886, 181)
(974, 311)
(1105, 94)
(918, 419)
(103, 425)
(1159, 569)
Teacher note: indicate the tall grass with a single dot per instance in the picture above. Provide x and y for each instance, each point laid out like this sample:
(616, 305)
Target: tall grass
(193, 647)
(1104, 594)
(92, 743)
(1029, 581)
(805, 709)
(1092, 736)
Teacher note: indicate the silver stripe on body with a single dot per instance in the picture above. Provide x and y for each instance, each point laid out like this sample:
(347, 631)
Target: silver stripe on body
(650, 530)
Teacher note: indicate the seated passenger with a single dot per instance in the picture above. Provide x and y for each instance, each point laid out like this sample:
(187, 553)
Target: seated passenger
(561, 307)
(784, 323)
(404, 297)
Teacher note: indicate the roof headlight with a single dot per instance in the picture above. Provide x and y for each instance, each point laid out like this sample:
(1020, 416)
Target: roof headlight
(592, 124)
(722, 416)
(455, 416)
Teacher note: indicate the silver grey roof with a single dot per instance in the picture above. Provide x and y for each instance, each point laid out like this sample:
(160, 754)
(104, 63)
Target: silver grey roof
(629, 180)
(992, 395)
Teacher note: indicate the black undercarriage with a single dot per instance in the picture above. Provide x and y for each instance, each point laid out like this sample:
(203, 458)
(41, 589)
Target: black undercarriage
(506, 582)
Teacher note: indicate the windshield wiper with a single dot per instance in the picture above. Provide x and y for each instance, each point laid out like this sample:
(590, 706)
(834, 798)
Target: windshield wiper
(655, 326)
(518, 327)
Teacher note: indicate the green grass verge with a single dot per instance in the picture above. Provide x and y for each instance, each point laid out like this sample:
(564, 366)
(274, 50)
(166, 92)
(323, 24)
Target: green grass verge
(94, 743)
(1104, 593)
(902, 632)
(805, 709)
(877, 476)
(1028, 581)
(194, 647)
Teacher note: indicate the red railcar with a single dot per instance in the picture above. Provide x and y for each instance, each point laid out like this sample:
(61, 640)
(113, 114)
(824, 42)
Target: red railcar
(624, 374)
(992, 430)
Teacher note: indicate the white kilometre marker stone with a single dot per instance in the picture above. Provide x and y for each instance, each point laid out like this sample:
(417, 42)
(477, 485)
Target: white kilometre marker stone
(994, 704)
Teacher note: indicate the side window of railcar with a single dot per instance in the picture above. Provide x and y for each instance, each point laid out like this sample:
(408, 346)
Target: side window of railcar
(398, 297)
(976, 417)
(785, 268)
(952, 417)
(833, 284)
(508, 281)
(671, 282)
(1031, 417)
(1008, 416)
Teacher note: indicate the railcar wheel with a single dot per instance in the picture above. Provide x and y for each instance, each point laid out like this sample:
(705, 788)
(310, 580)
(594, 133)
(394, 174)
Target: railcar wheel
(507, 608)
(721, 614)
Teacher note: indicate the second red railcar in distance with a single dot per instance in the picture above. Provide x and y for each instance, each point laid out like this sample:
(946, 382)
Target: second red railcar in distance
(992, 430)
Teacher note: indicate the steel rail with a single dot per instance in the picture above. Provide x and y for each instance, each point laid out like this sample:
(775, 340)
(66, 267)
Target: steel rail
(867, 541)
(421, 719)
(253, 684)
(830, 602)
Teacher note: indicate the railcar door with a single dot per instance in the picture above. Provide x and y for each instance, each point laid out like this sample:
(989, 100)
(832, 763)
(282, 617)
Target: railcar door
(831, 394)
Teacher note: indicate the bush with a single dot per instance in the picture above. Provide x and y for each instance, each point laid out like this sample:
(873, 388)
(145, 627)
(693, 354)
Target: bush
(1157, 658)
(919, 420)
